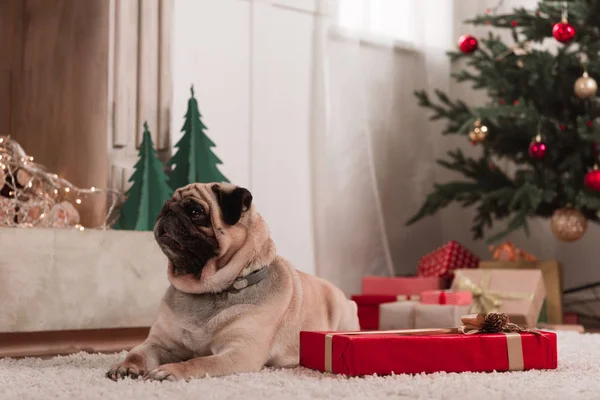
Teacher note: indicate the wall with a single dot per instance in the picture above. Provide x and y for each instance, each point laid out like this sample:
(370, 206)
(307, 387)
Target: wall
(251, 63)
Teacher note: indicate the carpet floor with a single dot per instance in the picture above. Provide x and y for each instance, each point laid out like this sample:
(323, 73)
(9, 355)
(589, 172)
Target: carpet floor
(81, 376)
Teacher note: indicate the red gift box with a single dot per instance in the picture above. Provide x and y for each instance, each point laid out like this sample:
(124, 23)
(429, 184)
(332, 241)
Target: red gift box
(570, 318)
(425, 351)
(368, 307)
(443, 261)
(458, 298)
(406, 285)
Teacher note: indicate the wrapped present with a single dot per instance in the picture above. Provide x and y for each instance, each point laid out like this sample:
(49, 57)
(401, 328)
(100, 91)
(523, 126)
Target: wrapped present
(411, 314)
(470, 348)
(400, 285)
(439, 316)
(369, 307)
(519, 293)
(570, 318)
(398, 315)
(446, 297)
(444, 260)
(552, 274)
(509, 252)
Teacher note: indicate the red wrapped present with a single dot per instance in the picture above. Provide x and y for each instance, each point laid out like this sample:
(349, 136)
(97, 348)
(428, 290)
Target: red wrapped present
(417, 351)
(457, 298)
(443, 261)
(571, 318)
(406, 285)
(368, 307)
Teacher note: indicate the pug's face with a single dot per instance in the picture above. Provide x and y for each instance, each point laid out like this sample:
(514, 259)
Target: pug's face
(191, 223)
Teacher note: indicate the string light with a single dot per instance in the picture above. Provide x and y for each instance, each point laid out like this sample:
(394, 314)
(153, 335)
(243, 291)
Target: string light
(37, 198)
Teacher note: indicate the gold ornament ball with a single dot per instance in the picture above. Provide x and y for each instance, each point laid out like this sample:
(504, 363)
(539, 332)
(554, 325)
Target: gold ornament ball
(568, 224)
(585, 87)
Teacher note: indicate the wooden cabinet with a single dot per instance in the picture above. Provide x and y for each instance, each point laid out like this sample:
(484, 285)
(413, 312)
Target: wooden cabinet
(85, 75)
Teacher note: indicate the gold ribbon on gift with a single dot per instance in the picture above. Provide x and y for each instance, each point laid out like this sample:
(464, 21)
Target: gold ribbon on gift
(485, 300)
(472, 324)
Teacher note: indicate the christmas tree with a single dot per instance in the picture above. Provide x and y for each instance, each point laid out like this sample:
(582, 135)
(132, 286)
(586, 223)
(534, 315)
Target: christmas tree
(194, 160)
(148, 192)
(541, 121)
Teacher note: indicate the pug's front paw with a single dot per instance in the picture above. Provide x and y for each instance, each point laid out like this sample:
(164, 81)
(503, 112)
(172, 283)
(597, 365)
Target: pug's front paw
(167, 372)
(126, 369)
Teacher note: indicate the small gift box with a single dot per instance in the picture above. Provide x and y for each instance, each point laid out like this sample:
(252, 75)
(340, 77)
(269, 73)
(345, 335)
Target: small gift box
(505, 348)
(444, 260)
(439, 316)
(552, 274)
(369, 307)
(518, 293)
(507, 251)
(446, 297)
(400, 285)
(570, 318)
(398, 315)
(411, 314)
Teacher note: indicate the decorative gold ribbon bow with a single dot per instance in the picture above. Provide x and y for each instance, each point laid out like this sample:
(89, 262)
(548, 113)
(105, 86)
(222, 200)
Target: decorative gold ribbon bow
(490, 323)
(484, 300)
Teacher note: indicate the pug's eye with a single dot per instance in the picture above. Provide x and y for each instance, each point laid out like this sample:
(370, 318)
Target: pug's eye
(195, 212)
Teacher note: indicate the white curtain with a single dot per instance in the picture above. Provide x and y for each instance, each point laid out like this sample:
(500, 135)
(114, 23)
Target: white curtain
(373, 147)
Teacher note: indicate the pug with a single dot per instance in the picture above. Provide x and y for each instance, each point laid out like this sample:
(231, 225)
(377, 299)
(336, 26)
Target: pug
(233, 304)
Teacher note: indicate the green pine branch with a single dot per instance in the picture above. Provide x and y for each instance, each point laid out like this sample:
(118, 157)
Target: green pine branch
(529, 93)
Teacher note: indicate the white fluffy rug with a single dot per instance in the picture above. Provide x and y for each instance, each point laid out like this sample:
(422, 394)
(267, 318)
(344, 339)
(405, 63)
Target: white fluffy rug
(81, 376)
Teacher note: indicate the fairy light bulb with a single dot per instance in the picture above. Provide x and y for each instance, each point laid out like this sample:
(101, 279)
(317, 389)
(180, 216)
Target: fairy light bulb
(67, 189)
(78, 201)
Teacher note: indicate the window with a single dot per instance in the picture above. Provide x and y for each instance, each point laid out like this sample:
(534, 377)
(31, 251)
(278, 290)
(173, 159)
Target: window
(390, 19)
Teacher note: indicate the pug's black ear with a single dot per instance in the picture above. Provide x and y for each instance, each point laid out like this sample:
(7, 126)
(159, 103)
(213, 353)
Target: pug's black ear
(233, 203)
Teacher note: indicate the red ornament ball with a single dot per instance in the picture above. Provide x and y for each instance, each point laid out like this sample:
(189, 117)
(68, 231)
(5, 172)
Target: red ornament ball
(467, 43)
(592, 180)
(563, 32)
(537, 150)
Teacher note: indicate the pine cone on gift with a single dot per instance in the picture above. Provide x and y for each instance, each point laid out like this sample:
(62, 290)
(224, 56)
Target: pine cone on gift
(500, 322)
(494, 323)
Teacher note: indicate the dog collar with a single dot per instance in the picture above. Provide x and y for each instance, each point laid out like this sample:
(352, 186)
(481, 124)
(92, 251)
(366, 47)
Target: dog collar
(251, 279)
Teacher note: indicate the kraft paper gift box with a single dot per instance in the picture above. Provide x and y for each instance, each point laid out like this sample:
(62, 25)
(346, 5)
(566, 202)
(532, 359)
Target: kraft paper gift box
(411, 314)
(398, 315)
(415, 351)
(552, 274)
(519, 293)
(370, 307)
(399, 285)
(438, 316)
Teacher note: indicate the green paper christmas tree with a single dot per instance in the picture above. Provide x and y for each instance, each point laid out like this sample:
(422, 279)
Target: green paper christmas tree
(194, 160)
(149, 191)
